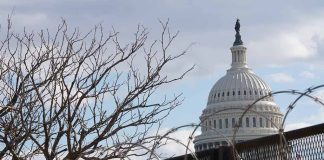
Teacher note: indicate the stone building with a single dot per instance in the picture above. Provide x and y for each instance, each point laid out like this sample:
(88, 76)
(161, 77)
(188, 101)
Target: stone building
(228, 99)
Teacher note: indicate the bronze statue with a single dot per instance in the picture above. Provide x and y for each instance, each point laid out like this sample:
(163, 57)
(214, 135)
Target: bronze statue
(238, 40)
(237, 26)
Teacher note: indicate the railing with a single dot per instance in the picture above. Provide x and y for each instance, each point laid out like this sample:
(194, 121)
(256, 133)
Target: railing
(301, 144)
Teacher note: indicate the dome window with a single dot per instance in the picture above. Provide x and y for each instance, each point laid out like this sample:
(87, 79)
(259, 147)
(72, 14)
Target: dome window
(267, 123)
(206, 126)
(261, 123)
(250, 92)
(275, 120)
(260, 93)
(255, 92)
(218, 95)
(254, 122)
(247, 122)
(223, 94)
(244, 92)
(224, 143)
(233, 93)
(239, 93)
(226, 123)
(210, 145)
(227, 93)
(233, 122)
(220, 124)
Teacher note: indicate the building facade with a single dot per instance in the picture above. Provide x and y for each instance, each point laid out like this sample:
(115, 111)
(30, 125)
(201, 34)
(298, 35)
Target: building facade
(230, 97)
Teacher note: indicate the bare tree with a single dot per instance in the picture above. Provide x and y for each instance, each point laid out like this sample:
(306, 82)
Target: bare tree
(69, 95)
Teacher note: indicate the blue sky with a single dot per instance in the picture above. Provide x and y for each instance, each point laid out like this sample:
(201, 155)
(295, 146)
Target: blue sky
(285, 41)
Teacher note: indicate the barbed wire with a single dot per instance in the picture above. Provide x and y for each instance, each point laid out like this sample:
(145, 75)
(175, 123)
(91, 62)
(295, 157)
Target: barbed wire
(231, 140)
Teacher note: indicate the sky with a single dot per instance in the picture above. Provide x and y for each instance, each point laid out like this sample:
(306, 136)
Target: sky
(284, 40)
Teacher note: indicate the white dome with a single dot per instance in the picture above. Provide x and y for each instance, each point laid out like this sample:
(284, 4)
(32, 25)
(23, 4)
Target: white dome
(238, 84)
(228, 100)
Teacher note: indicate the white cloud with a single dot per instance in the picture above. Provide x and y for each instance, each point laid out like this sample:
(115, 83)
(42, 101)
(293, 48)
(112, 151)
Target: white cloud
(316, 118)
(294, 126)
(282, 44)
(281, 77)
(173, 148)
(275, 66)
(307, 74)
(175, 145)
(320, 94)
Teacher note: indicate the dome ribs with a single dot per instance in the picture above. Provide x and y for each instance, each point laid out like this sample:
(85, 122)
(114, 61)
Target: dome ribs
(245, 84)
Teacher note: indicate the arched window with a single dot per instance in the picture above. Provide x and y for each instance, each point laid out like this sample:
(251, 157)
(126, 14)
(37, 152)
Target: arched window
(233, 122)
(247, 122)
(275, 120)
(250, 92)
(254, 122)
(206, 126)
(226, 123)
(261, 123)
(234, 56)
(239, 93)
(233, 93)
(210, 145)
(244, 92)
(223, 94)
(220, 124)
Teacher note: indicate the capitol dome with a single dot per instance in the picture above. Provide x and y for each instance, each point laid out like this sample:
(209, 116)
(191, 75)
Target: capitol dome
(236, 83)
(228, 100)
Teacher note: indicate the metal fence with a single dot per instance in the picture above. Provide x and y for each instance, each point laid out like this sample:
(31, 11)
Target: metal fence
(304, 144)
(301, 144)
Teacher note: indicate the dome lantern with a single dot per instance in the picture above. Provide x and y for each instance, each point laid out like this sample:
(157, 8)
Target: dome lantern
(238, 50)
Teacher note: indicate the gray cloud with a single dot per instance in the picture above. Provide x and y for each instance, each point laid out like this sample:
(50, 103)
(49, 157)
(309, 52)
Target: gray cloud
(273, 30)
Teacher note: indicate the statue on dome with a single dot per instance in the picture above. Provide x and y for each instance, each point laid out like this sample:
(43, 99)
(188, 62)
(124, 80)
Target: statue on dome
(237, 26)
(238, 40)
